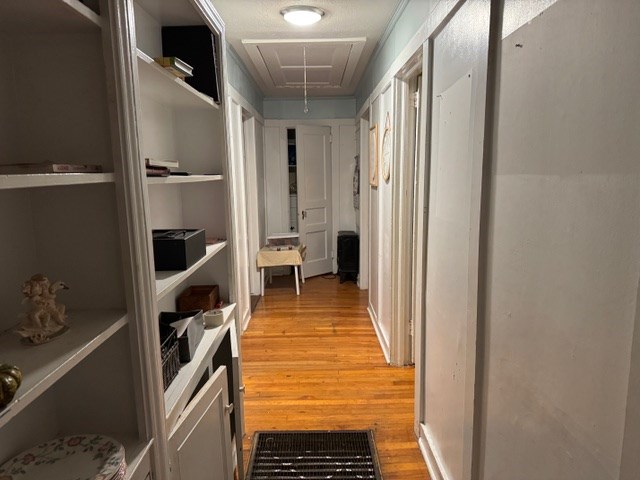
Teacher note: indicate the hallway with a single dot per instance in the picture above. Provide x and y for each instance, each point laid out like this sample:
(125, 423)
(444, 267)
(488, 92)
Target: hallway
(314, 362)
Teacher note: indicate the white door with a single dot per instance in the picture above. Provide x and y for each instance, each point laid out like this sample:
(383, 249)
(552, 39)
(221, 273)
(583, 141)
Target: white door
(200, 444)
(313, 157)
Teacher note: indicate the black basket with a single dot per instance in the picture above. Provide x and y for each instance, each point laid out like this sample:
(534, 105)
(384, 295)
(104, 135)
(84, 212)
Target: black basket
(169, 354)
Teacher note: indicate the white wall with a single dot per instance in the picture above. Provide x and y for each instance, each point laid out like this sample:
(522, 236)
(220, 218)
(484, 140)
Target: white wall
(564, 249)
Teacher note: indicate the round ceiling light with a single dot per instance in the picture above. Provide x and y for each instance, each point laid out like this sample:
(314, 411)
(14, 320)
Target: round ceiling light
(301, 15)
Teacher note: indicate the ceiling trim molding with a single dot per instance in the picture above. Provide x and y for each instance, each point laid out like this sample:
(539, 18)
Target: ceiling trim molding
(389, 28)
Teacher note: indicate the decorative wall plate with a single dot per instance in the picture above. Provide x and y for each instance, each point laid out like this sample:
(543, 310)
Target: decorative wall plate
(89, 457)
(387, 154)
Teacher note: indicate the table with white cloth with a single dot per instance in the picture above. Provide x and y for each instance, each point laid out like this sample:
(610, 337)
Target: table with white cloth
(281, 257)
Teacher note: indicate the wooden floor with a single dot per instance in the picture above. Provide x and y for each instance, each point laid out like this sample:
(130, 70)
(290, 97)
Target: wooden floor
(313, 362)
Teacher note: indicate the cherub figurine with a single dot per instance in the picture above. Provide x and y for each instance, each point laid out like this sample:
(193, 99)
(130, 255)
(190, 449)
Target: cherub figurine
(46, 319)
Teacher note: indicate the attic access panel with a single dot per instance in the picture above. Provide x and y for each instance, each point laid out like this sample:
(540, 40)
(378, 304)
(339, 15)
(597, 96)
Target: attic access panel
(331, 63)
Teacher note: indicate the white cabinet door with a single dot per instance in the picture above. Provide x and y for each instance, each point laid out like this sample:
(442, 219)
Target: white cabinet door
(200, 444)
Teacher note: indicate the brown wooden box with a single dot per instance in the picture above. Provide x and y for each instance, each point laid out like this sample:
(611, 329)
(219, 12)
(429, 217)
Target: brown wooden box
(198, 297)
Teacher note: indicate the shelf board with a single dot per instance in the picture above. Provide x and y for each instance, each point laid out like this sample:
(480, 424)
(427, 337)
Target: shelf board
(179, 392)
(135, 450)
(165, 87)
(183, 179)
(53, 179)
(36, 16)
(167, 281)
(84, 11)
(43, 365)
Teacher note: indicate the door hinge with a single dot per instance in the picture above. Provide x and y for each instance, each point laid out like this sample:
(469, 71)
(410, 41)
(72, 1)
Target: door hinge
(411, 328)
(330, 138)
(416, 99)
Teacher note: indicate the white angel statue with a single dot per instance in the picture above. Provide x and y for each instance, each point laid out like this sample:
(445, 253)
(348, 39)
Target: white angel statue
(46, 319)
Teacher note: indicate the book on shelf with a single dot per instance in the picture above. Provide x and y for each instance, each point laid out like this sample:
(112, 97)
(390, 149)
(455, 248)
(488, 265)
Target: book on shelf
(152, 162)
(48, 167)
(157, 171)
(176, 66)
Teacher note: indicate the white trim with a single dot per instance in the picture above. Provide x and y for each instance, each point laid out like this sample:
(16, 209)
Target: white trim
(252, 202)
(381, 338)
(420, 265)
(402, 212)
(363, 277)
(244, 103)
(137, 251)
(431, 455)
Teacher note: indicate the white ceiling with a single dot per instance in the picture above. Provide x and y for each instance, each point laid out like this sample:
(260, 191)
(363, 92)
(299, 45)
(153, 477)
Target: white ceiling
(337, 48)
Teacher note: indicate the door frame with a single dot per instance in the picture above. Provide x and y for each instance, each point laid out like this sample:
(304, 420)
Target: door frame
(335, 125)
(243, 155)
(403, 206)
(363, 275)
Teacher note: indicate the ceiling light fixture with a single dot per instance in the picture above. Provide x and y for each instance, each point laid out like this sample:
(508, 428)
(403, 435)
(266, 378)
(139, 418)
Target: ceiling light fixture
(302, 15)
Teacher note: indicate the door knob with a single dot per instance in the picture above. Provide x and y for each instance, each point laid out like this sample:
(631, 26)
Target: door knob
(228, 409)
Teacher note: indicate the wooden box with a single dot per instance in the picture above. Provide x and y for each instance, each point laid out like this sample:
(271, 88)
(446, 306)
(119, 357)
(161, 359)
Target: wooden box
(198, 297)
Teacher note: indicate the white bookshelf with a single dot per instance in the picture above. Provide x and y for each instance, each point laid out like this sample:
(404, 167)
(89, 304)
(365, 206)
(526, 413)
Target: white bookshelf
(73, 227)
(43, 365)
(165, 87)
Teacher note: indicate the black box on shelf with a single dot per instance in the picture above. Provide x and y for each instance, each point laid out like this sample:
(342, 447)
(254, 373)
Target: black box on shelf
(177, 249)
(189, 329)
(196, 45)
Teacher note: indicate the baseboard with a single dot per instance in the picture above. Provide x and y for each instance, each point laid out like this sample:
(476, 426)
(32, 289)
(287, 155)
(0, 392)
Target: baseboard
(431, 455)
(381, 340)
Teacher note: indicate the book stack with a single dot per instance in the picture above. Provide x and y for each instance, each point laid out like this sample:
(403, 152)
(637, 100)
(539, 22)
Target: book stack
(47, 167)
(159, 168)
(177, 67)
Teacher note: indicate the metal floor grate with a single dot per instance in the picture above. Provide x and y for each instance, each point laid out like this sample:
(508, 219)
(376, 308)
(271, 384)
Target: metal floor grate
(312, 454)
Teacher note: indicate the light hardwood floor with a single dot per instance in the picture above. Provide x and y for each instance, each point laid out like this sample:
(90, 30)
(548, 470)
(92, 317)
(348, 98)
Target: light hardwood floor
(313, 362)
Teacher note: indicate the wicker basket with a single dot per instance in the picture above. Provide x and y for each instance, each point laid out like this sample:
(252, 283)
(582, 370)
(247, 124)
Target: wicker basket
(169, 354)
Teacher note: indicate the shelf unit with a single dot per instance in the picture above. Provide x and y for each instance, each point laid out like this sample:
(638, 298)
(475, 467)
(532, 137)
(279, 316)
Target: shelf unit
(93, 231)
(70, 227)
(176, 122)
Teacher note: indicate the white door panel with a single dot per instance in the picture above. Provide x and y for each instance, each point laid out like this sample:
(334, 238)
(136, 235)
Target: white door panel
(313, 152)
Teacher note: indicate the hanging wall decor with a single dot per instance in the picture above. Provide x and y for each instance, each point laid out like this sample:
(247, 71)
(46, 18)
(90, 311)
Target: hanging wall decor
(373, 156)
(387, 153)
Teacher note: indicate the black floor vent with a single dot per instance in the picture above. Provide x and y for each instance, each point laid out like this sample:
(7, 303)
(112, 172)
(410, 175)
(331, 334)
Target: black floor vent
(311, 454)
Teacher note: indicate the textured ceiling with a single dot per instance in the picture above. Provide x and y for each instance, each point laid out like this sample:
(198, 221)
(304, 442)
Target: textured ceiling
(252, 20)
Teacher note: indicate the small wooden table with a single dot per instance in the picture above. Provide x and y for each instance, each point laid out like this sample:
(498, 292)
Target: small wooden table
(280, 257)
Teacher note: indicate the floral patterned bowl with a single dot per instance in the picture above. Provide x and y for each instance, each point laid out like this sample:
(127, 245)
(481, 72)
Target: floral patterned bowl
(76, 457)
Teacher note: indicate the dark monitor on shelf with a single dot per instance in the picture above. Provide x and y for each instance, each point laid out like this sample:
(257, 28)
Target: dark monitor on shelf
(197, 46)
